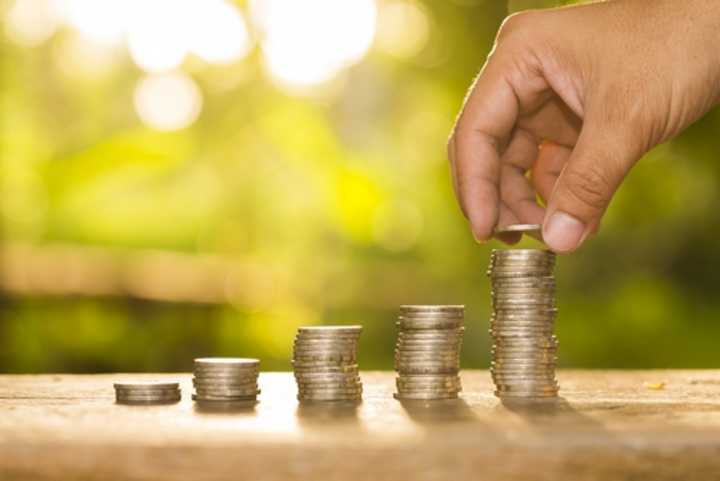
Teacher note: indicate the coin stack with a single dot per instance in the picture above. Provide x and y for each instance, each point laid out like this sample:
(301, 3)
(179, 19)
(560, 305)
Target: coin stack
(226, 379)
(325, 363)
(147, 392)
(522, 324)
(427, 354)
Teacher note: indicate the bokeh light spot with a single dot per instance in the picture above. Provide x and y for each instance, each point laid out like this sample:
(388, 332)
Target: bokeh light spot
(219, 33)
(30, 22)
(158, 36)
(403, 29)
(168, 101)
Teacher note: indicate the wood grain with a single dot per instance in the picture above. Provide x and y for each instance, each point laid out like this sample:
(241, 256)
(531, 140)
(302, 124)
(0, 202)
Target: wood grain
(607, 425)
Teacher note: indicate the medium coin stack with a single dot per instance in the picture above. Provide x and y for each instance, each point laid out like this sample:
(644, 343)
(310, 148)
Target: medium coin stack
(226, 379)
(147, 392)
(427, 354)
(325, 363)
(522, 324)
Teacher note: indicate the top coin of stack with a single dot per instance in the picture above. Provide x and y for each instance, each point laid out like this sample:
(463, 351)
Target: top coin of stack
(427, 354)
(325, 363)
(147, 392)
(226, 379)
(523, 298)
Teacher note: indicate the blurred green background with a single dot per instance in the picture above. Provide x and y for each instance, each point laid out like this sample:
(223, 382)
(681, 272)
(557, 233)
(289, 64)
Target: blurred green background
(191, 178)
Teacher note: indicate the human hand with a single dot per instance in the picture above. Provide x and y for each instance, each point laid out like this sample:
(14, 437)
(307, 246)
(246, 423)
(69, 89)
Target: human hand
(575, 96)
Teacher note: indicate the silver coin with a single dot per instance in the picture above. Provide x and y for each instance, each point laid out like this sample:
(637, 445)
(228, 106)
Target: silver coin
(521, 348)
(315, 378)
(427, 367)
(527, 342)
(146, 390)
(522, 228)
(320, 340)
(500, 355)
(544, 373)
(528, 328)
(424, 396)
(147, 401)
(506, 274)
(529, 281)
(311, 399)
(146, 385)
(226, 379)
(434, 394)
(324, 354)
(329, 394)
(428, 387)
(457, 316)
(146, 397)
(527, 392)
(428, 351)
(239, 362)
(428, 342)
(522, 252)
(222, 390)
(299, 366)
(425, 326)
(345, 329)
(207, 398)
(328, 376)
(422, 336)
(424, 369)
(328, 359)
(430, 377)
(516, 377)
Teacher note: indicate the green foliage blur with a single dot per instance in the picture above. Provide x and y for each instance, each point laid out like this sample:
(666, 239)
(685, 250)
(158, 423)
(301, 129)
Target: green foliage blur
(340, 199)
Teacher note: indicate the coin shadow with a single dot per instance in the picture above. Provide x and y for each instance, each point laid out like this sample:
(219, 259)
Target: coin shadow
(319, 414)
(442, 411)
(542, 412)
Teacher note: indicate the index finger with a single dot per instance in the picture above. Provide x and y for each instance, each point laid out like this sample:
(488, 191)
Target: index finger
(487, 120)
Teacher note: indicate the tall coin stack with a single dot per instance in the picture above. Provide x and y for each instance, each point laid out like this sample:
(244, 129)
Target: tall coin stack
(227, 379)
(325, 363)
(427, 354)
(522, 324)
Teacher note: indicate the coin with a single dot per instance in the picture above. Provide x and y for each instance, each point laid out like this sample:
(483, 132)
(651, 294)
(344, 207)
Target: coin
(424, 396)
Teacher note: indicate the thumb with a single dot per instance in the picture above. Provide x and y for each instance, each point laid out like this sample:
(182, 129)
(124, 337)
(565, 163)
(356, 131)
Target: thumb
(602, 157)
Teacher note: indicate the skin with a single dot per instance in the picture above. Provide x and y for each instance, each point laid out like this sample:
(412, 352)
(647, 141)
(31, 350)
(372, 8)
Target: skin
(569, 100)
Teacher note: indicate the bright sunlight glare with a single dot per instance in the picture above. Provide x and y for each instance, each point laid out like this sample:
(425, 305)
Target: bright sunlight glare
(307, 42)
(103, 21)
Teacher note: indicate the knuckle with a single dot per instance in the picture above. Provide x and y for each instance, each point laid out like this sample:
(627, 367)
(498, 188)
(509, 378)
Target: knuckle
(512, 23)
(524, 21)
(591, 186)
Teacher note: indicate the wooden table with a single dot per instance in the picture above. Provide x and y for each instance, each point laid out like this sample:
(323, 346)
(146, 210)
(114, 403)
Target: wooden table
(607, 425)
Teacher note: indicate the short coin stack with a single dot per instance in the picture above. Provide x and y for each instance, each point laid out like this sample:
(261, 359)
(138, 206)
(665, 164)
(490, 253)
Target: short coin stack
(226, 379)
(147, 392)
(325, 363)
(427, 354)
(522, 324)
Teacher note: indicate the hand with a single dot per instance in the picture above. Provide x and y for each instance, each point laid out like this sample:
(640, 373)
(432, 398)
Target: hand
(575, 96)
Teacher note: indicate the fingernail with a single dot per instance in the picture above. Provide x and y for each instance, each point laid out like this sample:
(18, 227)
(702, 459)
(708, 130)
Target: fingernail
(563, 232)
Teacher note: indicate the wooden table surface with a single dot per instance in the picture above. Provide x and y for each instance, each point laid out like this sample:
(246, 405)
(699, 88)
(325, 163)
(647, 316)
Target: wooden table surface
(607, 425)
